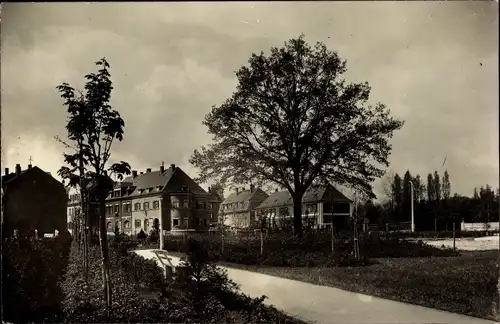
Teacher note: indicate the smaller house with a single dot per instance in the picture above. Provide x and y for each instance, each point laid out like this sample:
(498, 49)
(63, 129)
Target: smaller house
(33, 199)
(239, 208)
(320, 205)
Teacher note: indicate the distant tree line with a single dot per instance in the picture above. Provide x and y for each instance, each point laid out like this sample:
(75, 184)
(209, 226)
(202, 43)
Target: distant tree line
(435, 208)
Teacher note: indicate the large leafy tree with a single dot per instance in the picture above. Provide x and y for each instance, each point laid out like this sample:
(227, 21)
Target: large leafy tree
(294, 121)
(92, 127)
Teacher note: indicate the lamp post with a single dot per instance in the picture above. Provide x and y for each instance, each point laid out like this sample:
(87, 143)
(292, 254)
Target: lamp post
(412, 212)
(161, 225)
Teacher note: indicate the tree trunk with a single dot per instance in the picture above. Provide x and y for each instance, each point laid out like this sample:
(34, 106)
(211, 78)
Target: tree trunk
(103, 240)
(297, 214)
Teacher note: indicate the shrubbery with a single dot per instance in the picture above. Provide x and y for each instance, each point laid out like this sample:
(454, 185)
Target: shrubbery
(31, 270)
(141, 295)
(312, 251)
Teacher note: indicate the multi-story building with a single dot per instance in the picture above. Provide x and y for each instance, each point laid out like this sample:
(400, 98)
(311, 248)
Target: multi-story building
(320, 205)
(33, 199)
(238, 209)
(169, 195)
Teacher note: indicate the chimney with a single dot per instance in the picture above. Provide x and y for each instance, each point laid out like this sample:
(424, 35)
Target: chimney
(252, 188)
(6, 171)
(29, 166)
(162, 169)
(148, 170)
(237, 191)
(172, 167)
(276, 190)
(18, 169)
(209, 189)
(134, 174)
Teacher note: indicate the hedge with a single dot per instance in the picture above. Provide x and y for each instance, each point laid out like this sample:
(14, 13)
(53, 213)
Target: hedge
(31, 271)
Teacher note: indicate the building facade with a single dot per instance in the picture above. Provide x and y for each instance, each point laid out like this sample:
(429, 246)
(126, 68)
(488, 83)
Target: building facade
(168, 195)
(238, 210)
(33, 199)
(320, 206)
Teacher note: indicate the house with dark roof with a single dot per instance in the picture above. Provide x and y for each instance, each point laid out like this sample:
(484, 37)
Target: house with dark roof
(32, 199)
(238, 209)
(320, 205)
(166, 194)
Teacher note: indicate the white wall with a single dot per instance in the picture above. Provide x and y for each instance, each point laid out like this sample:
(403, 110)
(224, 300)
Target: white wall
(493, 226)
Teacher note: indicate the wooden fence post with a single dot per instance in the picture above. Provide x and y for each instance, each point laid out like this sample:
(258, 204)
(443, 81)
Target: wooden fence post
(454, 248)
(332, 238)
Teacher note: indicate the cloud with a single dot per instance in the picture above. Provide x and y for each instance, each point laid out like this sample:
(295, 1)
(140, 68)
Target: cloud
(433, 64)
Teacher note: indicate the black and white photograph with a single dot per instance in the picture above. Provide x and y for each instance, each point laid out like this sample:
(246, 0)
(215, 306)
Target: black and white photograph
(291, 162)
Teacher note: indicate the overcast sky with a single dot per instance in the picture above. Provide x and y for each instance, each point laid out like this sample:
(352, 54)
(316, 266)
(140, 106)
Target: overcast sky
(435, 65)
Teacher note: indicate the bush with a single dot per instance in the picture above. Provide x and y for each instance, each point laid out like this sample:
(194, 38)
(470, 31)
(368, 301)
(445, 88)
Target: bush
(141, 235)
(31, 271)
(153, 237)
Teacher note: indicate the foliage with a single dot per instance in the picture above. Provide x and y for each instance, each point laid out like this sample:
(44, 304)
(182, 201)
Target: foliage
(437, 210)
(204, 294)
(92, 127)
(141, 235)
(30, 273)
(294, 121)
(313, 250)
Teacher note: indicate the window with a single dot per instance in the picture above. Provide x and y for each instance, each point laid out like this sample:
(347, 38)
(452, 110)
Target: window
(117, 208)
(175, 222)
(156, 204)
(242, 204)
(128, 207)
(185, 203)
(137, 223)
(108, 226)
(210, 206)
(146, 205)
(185, 222)
(126, 224)
(175, 202)
(137, 206)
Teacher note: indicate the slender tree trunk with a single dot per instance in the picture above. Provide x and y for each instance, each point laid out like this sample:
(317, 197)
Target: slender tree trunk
(103, 240)
(297, 214)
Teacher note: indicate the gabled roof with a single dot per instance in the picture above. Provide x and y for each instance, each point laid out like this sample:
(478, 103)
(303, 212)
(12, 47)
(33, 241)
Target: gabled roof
(241, 196)
(314, 194)
(11, 177)
(153, 181)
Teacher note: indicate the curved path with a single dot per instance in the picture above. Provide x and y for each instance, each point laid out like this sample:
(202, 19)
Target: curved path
(328, 305)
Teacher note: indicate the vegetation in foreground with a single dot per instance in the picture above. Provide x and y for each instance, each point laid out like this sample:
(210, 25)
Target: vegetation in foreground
(203, 294)
(465, 284)
(313, 250)
(43, 283)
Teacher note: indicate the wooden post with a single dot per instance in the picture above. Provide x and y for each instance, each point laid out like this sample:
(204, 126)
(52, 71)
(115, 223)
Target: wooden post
(454, 248)
(332, 237)
(261, 243)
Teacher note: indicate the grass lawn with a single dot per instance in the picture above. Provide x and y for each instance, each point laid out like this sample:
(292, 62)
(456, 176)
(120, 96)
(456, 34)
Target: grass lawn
(466, 284)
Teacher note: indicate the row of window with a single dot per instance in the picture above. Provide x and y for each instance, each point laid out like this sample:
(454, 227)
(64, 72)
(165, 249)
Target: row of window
(233, 206)
(75, 197)
(337, 208)
(150, 222)
(156, 205)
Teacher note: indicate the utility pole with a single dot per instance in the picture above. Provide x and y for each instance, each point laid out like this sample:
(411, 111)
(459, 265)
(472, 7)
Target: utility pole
(412, 210)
